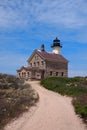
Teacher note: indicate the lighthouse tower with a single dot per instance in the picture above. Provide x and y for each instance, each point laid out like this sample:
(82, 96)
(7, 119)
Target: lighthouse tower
(56, 46)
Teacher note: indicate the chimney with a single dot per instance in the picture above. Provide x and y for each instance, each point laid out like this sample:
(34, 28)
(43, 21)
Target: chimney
(42, 47)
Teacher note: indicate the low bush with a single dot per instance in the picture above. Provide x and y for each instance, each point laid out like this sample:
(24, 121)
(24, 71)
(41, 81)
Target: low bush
(15, 98)
(80, 104)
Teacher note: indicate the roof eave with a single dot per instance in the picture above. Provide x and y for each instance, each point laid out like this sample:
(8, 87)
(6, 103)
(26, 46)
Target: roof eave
(37, 52)
(53, 60)
(31, 56)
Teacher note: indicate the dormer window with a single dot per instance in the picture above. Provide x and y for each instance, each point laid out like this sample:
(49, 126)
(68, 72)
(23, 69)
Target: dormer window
(36, 57)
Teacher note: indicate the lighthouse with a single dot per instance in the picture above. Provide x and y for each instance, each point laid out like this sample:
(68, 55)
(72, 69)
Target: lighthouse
(56, 46)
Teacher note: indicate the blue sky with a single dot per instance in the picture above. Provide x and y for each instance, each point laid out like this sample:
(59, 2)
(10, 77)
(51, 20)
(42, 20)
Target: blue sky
(26, 24)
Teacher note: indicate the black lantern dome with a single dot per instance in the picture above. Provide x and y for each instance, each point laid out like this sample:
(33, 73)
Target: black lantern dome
(56, 43)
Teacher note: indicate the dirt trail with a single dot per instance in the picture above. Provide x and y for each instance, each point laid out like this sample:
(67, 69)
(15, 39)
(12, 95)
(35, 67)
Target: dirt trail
(53, 112)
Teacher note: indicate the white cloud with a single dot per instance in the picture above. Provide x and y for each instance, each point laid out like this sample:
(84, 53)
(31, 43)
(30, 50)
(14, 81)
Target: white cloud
(22, 13)
(13, 14)
(67, 13)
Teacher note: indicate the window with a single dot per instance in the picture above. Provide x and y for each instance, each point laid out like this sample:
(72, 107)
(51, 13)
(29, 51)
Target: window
(50, 73)
(56, 73)
(42, 62)
(23, 74)
(38, 63)
(62, 74)
(36, 57)
(30, 64)
(28, 74)
(34, 64)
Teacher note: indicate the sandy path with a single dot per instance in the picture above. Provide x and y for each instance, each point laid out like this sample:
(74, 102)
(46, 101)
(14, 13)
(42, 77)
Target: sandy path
(54, 112)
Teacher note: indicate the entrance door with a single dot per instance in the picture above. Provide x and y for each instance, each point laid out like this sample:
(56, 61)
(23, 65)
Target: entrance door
(33, 75)
(42, 74)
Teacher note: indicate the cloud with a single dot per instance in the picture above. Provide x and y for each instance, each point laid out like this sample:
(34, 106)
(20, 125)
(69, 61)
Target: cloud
(67, 13)
(21, 13)
(10, 17)
(15, 13)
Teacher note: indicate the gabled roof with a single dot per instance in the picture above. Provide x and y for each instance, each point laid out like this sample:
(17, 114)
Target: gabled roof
(23, 67)
(48, 56)
(29, 68)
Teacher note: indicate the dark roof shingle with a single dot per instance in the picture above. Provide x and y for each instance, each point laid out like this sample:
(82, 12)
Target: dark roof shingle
(51, 56)
(29, 68)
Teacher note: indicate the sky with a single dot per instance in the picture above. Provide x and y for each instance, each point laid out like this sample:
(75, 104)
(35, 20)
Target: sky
(26, 24)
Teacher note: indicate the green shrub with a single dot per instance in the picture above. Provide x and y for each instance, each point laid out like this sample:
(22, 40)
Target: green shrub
(66, 86)
(80, 104)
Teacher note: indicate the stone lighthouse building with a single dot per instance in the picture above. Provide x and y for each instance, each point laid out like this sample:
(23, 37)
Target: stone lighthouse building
(42, 64)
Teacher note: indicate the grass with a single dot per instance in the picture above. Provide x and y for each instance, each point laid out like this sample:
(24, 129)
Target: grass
(74, 87)
(15, 98)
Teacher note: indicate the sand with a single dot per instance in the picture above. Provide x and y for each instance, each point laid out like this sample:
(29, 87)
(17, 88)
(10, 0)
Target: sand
(53, 112)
